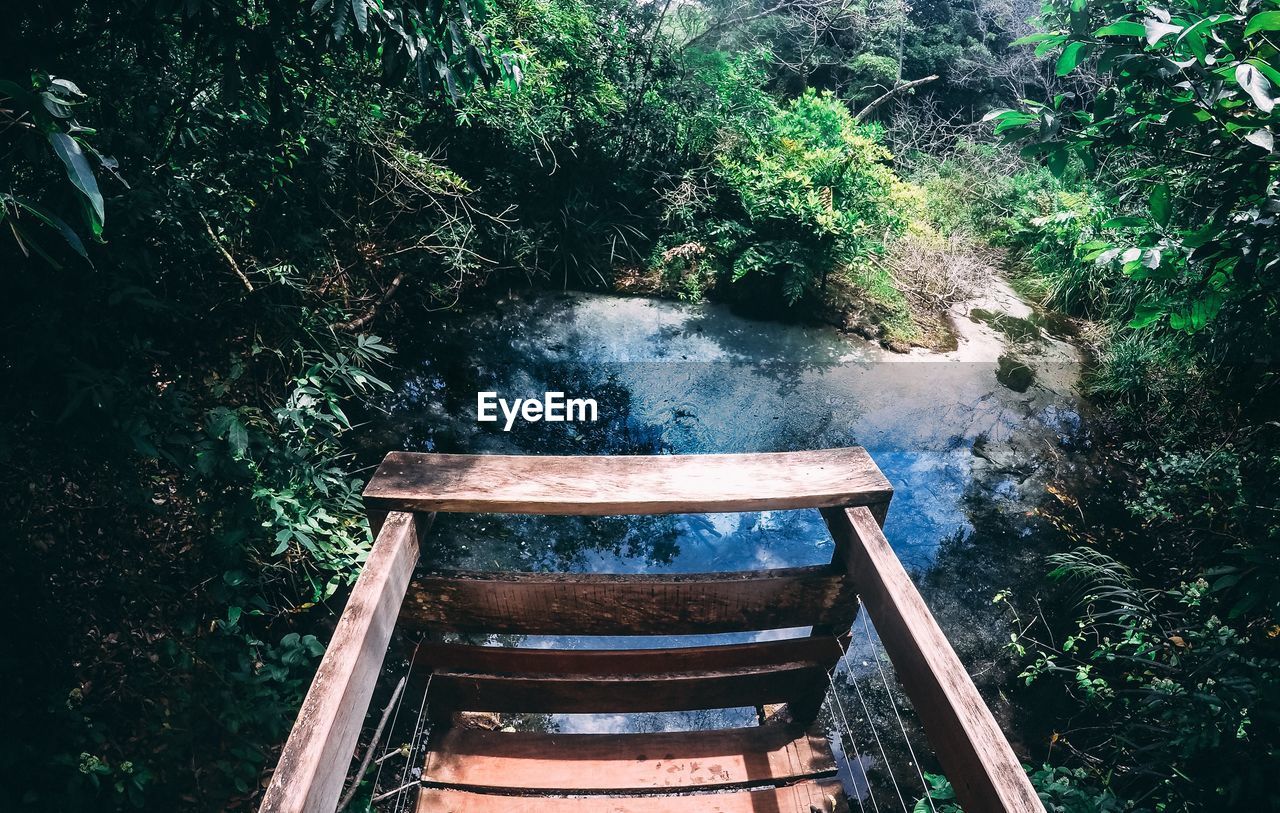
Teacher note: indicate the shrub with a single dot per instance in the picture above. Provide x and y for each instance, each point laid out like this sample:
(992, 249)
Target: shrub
(808, 194)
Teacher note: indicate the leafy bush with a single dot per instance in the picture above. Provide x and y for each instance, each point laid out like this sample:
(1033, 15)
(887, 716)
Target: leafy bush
(1187, 115)
(809, 194)
(1061, 790)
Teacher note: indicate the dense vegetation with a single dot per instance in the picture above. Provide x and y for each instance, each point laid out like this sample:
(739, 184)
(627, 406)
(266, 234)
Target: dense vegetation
(209, 209)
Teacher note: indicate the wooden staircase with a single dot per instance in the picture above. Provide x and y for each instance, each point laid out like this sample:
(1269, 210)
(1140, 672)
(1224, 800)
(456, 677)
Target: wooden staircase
(779, 766)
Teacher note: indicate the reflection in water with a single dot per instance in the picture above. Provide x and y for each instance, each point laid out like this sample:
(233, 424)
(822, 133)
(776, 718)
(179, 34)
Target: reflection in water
(674, 378)
(957, 443)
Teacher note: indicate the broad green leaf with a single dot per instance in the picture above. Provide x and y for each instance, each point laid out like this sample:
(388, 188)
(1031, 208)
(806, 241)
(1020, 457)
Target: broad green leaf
(1123, 28)
(1126, 222)
(1049, 44)
(1056, 160)
(1071, 57)
(1032, 39)
(1145, 315)
(52, 220)
(1262, 138)
(67, 87)
(14, 91)
(1161, 208)
(1204, 25)
(55, 106)
(1265, 21)
(1256, 85)
(238, 438)
(1157, 30)
(1201, 236)
(1267, 71)
(78, 170)
(361, 12)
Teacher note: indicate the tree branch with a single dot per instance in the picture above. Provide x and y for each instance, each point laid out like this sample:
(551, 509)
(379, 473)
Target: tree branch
(368, 754)
(862, 114)
(361, 321)
(734, 21)
(235, 266)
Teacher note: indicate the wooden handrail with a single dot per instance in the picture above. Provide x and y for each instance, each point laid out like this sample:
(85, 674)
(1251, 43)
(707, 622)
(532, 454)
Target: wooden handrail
(974, 753)
(626, 484)
(313, 765)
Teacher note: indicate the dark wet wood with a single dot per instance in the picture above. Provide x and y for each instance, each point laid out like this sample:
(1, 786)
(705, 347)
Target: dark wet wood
(974, 753)
(641, 484)
(823, 795)
(615, 662)
(313, 765)
(652, 690)
(646, 604)
(532, 763)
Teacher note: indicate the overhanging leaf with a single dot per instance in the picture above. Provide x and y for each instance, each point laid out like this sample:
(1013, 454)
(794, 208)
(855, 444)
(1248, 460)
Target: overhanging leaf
(1071, 57)
(1256, 85)
(1265, 21)
(1161, 208)
(1056, 160)
(79, 172)
(1145, 315)
(1032, 39)
(1122, 28)
(1157, 30)
(1262, 138)
(55, 222)
(238, 438)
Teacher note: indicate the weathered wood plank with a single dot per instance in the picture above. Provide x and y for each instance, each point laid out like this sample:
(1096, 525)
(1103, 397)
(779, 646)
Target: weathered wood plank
(621, 662)
(640, 484)
(532, 763)
(674, 691)
(313, 765)
(805, 797)
(642, 604)
(974, 753)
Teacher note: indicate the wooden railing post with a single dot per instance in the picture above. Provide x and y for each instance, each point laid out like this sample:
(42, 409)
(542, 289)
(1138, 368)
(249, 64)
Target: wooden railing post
(974, 753)
(314, 763)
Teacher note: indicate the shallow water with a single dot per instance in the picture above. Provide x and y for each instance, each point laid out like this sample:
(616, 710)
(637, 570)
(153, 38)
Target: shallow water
(678, 378)
(958, 443)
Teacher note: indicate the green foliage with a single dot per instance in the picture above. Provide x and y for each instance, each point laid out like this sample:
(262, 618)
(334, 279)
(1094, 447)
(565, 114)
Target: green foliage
(1061, 790)
(809, 194)
(1055, 228)
(45, 111)
(1188, 690)
(1187, 116)
(194, 383)
(874, 72)
(606, 114)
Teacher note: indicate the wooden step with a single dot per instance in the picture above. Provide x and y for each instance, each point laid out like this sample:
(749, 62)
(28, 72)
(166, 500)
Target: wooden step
(822, 796)
(429, 657)
(651, 691)
(631, 604)
(638, 484)
(627, 763)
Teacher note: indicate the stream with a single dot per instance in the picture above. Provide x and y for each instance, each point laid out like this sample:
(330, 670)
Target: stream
(970, 440)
